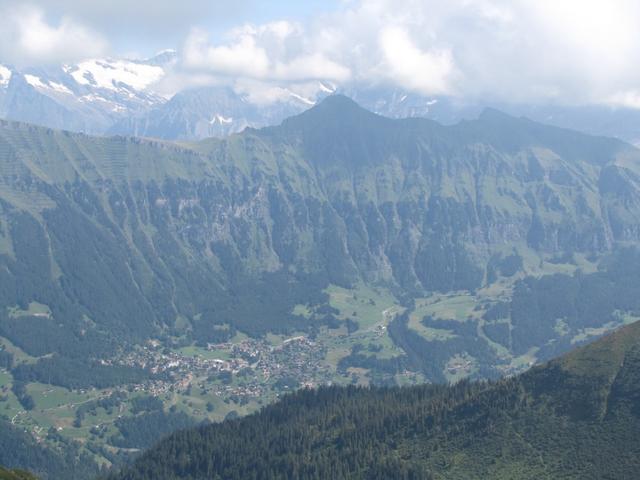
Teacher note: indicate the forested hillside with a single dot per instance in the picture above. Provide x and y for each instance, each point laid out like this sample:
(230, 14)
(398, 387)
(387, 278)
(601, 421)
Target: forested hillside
(64, 460)
(575, 418)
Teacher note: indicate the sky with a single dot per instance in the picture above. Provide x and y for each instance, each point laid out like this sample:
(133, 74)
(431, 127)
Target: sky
(534, 51)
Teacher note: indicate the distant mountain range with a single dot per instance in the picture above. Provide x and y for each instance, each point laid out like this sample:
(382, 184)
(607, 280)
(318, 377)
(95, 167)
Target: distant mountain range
(117, 96)
(89, 97)
(576, 417)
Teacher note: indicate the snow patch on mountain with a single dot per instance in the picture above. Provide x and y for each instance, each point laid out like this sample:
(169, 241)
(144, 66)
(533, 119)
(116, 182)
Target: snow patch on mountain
(302, 99)
(112, 74)
(327, 88)
(93, 98)
(51, 86)
(221, 120)
(5, 76)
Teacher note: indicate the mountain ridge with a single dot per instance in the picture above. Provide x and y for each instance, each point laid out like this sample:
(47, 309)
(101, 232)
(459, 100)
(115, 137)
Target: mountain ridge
(438, 146)
(348, 112)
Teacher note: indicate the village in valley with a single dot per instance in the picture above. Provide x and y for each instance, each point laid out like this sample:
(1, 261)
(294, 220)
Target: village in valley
(249, 369)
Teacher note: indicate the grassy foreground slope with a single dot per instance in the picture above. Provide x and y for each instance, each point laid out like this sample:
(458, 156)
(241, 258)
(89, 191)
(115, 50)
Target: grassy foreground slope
(15, 475)
(576, 417)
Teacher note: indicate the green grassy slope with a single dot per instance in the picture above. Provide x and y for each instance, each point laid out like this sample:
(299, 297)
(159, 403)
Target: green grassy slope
(15, 475)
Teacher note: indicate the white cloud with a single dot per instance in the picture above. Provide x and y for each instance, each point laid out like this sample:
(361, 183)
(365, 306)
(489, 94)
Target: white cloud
(568, 51)
(427, 72)
(26, 38)
(627, 99)
(142, 25)
(240, 58)
(309, 67)
(272, 52)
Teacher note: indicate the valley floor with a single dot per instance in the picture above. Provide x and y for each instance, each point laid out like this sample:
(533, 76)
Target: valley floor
(193, 384)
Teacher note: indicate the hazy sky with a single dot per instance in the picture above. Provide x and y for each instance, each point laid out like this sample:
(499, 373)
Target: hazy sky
(568, 51)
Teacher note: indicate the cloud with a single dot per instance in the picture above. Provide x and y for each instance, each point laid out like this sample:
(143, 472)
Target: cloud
(240, 58)
(367, 42)
(134, 28)
(27, 38)
(569, 51)
(627, 99)
(427, 72)
(142, 21)
(309, 67)
(271, 52)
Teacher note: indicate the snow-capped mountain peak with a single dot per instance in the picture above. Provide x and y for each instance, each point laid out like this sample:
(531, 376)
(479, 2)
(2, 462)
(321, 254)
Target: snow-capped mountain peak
(90, 96)
(115, 74)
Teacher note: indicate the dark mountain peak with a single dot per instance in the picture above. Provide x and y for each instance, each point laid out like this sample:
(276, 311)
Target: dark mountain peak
(338, 131)
(335, 111)
(493, 114)
(338, 101)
